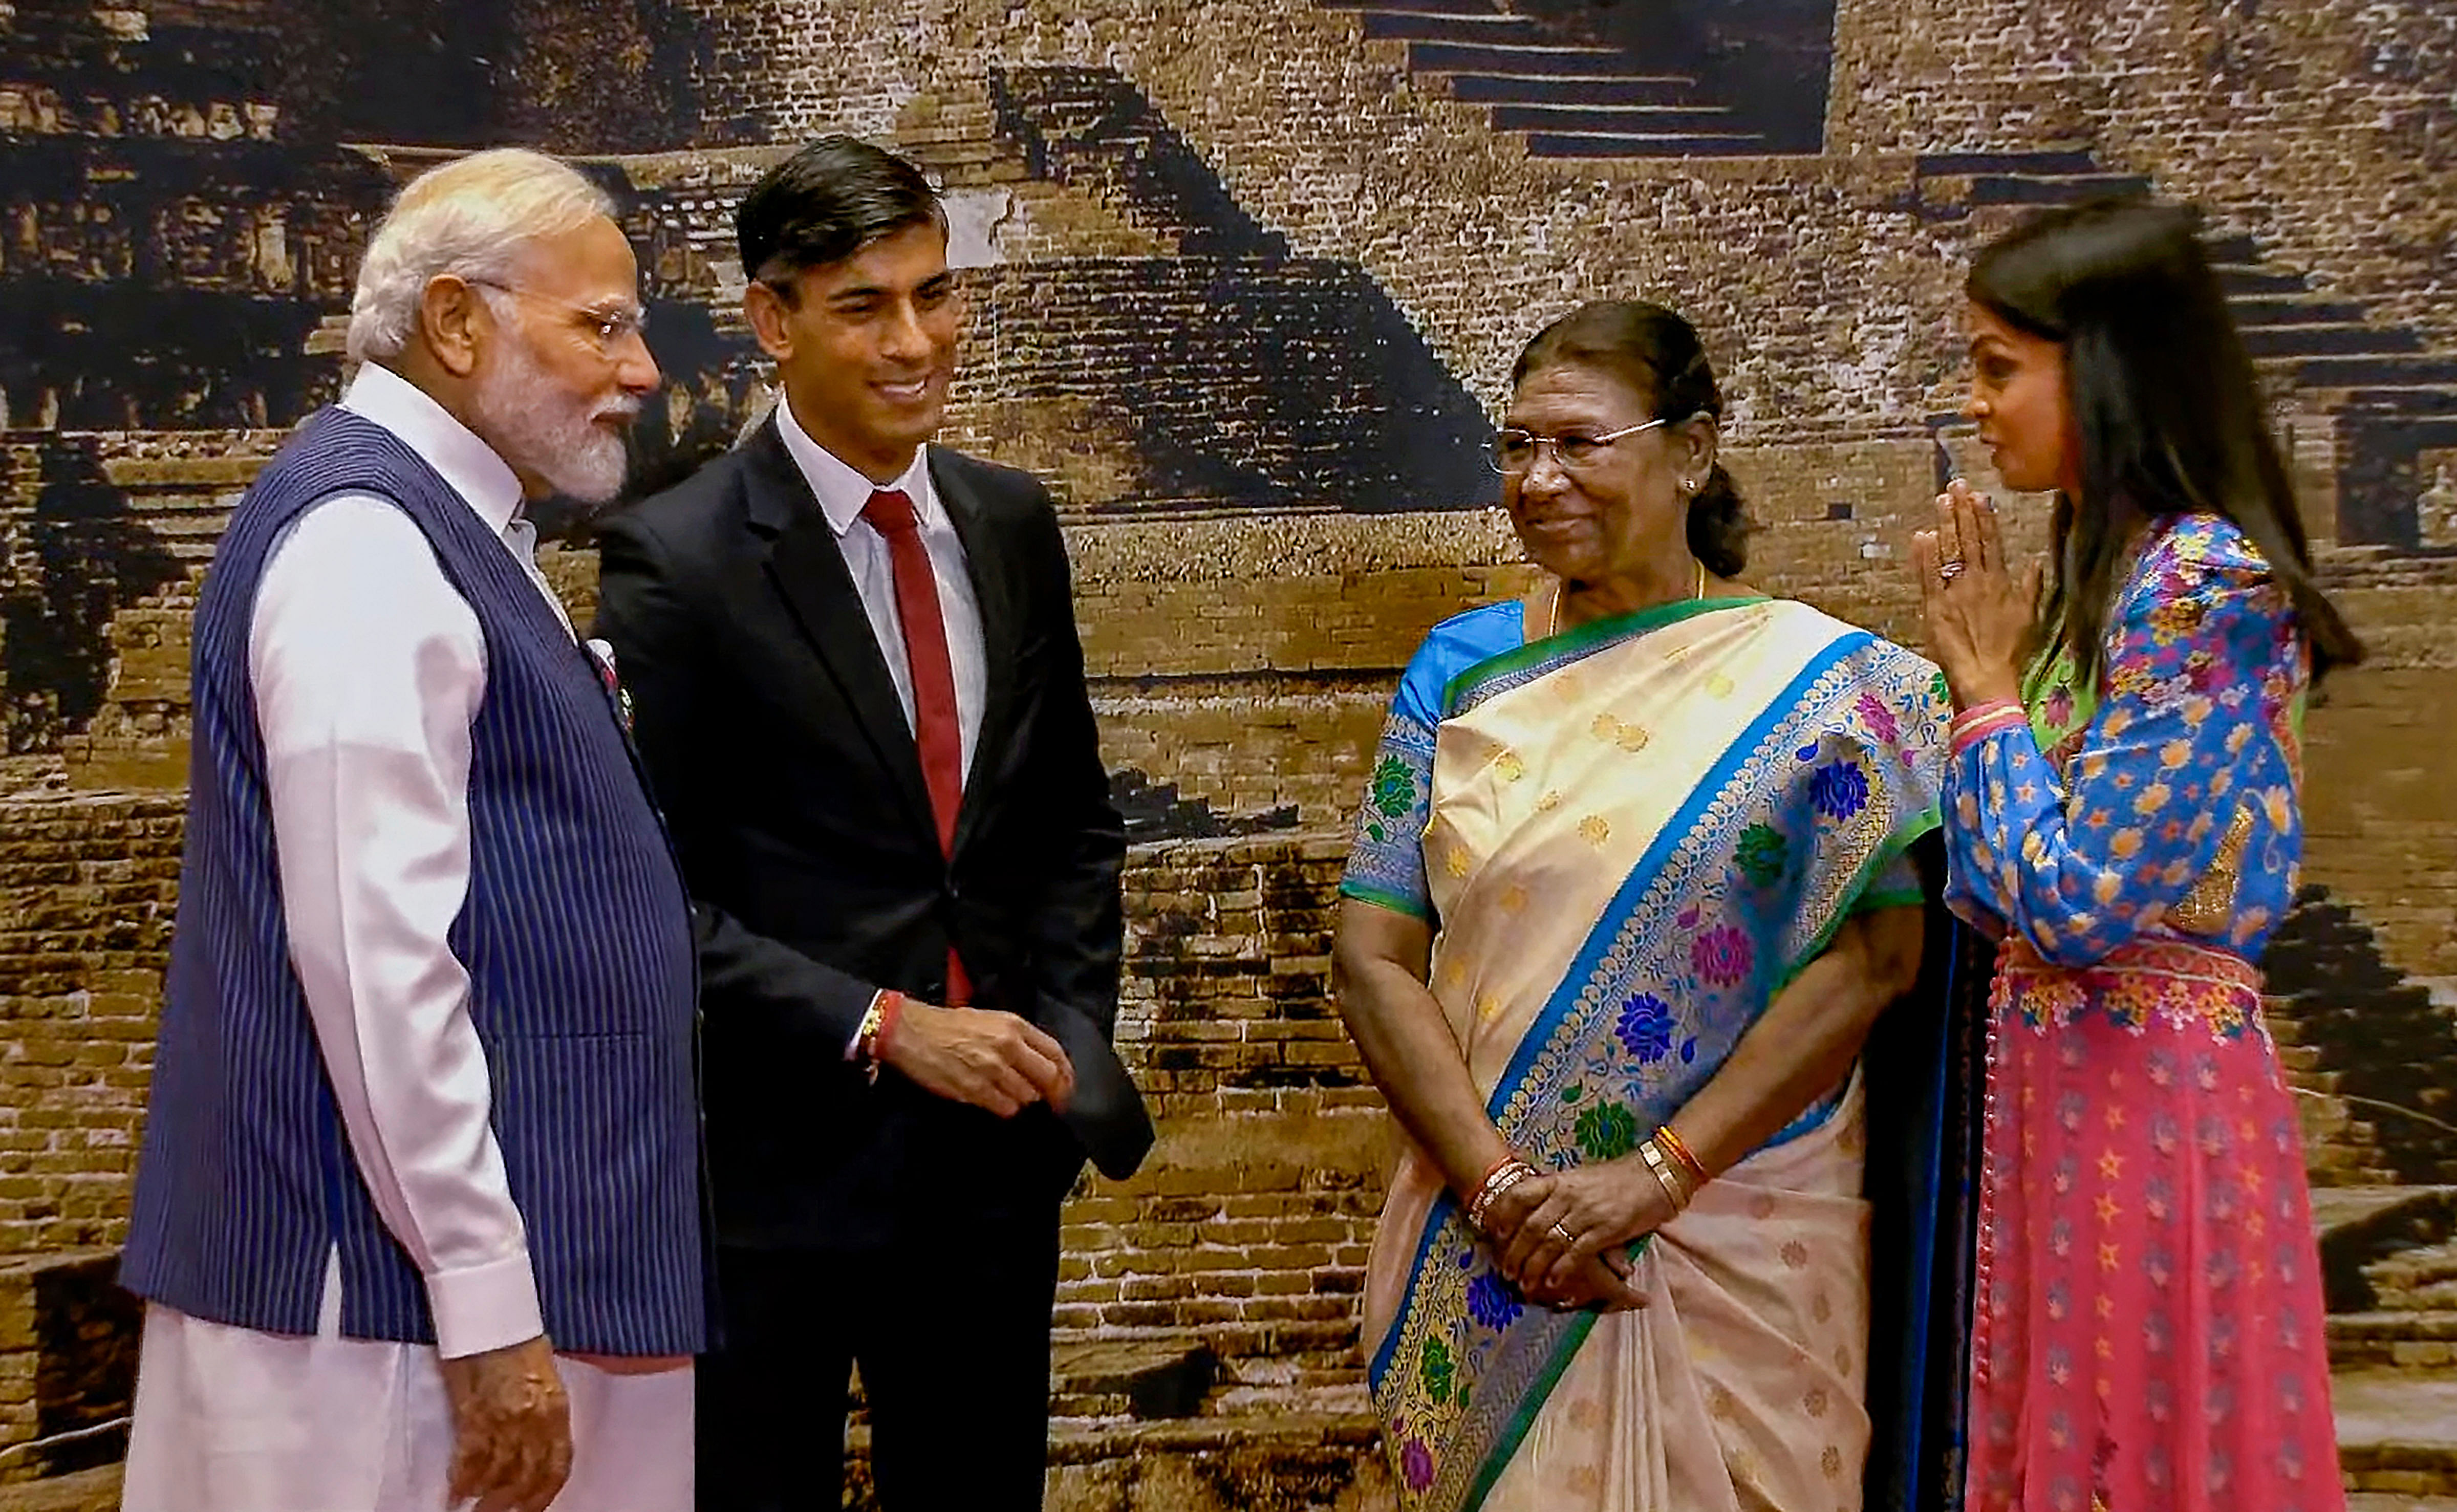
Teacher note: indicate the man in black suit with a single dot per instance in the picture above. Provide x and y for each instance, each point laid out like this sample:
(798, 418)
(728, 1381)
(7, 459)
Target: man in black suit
(858, 690)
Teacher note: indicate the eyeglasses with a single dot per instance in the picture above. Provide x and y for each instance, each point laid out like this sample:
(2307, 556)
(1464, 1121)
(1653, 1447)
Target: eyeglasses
(1512, 451)
(610, 328)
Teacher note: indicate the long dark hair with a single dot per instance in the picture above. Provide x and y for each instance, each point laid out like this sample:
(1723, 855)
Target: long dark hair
(2163, 397)
(1657, 354)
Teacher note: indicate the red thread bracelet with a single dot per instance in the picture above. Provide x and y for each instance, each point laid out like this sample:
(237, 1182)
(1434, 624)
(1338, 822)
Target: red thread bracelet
(1978, 723)
(891, 1008)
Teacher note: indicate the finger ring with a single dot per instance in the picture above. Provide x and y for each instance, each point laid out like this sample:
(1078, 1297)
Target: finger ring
(1948, 569)
(1567, 1238)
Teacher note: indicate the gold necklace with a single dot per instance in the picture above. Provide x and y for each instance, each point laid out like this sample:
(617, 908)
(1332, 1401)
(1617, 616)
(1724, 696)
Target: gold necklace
(1552, 612)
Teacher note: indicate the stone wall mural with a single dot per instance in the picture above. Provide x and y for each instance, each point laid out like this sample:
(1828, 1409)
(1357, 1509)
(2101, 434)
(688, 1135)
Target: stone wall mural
(1246, 278)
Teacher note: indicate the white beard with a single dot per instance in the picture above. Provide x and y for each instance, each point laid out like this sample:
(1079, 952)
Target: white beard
(541, 431)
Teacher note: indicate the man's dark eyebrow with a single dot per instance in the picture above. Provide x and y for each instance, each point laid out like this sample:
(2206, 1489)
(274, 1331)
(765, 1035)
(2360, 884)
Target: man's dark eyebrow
(872, 291)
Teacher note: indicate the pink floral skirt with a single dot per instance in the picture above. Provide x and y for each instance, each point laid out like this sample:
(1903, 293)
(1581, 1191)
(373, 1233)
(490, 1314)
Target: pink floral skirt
(2149, 1332)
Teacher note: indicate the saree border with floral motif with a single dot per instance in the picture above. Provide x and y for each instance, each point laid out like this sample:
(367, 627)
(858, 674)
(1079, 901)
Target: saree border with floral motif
(1802, 819)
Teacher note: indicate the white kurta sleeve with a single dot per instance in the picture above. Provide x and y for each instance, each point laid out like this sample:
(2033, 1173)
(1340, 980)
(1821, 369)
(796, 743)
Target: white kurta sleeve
(368, 669)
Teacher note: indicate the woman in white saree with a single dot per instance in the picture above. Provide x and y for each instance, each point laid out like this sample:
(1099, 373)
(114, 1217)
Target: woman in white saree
(1627, 893)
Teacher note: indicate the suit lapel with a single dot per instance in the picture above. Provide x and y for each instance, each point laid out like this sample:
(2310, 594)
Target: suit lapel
(992, 591)
(807, 567)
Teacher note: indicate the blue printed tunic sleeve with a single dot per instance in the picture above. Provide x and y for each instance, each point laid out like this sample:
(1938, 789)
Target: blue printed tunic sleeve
(2185, 773)
(1386, 862)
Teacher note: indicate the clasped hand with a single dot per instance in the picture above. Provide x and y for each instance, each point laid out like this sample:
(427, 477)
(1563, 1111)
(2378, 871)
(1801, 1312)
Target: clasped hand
(1558, 1238)
(1979, 616)
(989, 1059)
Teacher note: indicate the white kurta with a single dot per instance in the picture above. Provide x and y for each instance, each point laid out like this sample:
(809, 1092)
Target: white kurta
(367, 668)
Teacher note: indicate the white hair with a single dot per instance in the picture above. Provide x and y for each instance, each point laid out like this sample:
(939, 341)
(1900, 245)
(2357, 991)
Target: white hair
(469, 218)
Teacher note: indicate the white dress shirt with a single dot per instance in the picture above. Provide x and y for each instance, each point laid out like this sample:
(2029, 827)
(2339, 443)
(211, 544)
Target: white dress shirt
(842, 491)
(367, 668)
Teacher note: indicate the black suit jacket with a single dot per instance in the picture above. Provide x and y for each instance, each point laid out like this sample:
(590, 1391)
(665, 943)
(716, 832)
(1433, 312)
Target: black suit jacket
(794, 791)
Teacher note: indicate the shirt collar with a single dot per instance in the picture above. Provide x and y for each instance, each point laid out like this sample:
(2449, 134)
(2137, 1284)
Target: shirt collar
(483, 480)
(841, 488)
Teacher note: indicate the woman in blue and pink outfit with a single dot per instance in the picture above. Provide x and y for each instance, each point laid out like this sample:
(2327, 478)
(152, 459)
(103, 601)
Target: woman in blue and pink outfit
(2120, 807)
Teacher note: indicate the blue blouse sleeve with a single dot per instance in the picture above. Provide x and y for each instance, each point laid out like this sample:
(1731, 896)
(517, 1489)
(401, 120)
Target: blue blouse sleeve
(1386, 859)
(2203, 650)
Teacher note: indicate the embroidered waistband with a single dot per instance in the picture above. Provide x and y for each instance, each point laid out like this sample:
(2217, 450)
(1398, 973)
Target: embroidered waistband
(2164, 956)
(2157, 980)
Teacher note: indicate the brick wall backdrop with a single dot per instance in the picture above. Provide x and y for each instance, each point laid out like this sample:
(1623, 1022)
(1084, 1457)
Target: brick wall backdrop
(1248, 276)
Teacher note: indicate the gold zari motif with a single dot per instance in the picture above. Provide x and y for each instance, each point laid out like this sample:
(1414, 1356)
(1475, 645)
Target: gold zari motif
(2208, 908)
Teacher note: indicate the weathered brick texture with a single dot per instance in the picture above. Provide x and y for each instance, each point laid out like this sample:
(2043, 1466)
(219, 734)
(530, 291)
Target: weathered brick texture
(87, 891)
(2323, 125)
(1249, 1223)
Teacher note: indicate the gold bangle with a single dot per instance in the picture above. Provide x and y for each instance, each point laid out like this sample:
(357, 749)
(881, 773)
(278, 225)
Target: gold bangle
(1666, 1175)
(1679, 1150)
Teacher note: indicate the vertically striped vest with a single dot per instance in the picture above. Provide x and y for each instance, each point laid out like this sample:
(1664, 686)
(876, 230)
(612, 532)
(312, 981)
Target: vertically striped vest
(578, 944)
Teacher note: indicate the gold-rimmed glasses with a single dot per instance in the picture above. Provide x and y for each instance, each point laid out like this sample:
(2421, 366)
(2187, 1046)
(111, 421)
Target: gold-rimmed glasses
(1512, 452)
(609, 325)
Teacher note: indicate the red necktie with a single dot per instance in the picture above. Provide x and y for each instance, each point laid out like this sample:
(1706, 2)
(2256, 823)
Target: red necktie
(936, 728)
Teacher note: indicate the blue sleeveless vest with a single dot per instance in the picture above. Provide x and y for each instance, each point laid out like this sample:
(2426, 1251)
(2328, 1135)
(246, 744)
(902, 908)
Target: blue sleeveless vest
(576, 936)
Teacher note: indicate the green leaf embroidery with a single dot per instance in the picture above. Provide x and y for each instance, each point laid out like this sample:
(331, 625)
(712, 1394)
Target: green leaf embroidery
(1394, 788)
(1606, 1131)
(1763, 855)
(1435, 1368)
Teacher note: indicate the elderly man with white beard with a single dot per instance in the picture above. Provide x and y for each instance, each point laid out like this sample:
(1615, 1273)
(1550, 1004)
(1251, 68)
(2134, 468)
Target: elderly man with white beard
(417, 1215)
